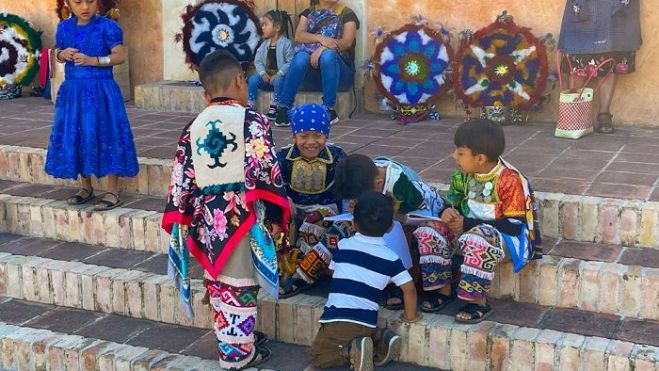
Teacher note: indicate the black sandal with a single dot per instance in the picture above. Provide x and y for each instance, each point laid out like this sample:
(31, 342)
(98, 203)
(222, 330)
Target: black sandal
(261, 355)
(393, 292)
(605, 123)
(476, 312)
(292, 287)
(79, 199)
(433, 298)
(105, 205)
(260, 338)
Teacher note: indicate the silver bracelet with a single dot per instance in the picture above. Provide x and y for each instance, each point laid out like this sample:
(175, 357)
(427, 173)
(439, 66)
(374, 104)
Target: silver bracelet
(104, 61)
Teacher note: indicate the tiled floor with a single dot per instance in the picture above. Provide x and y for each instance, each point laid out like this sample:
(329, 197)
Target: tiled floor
(623, 165)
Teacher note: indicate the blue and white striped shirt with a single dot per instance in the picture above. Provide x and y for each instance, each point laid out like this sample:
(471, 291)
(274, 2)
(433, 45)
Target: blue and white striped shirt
(363, 266)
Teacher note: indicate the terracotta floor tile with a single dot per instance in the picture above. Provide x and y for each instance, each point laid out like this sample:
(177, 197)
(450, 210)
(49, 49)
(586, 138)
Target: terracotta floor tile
(640, 331)
(581, 322)
(517, 313)
(116, 328)
(169, 338)
(15, 312)
(65, 320)
(586, 251)
(626, 191)
(643, 257)
(627, 178)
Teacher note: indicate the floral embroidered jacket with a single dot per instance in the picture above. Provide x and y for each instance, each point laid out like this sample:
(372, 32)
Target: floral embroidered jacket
(309, 182)
(221, 213)
(504, 199)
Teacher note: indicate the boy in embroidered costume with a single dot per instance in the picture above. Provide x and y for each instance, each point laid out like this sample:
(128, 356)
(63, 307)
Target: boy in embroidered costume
(308, 167)
(494, 217)
(225, 182)
(363, 266)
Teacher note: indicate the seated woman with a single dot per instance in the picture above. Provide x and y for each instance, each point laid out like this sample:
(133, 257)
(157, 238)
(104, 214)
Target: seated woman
(324, 57)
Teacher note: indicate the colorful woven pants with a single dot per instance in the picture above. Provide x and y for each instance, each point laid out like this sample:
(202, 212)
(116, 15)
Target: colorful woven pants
(482, 248)
(435, 241)
(234, 321)
(318, 258)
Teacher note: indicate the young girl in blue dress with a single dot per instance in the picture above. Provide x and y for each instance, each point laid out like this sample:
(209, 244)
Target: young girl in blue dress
(91, 134)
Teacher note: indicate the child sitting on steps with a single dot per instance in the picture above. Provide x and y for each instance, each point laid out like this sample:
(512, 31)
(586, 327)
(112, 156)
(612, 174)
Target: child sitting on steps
(308, 167)
(493, 215)
(272, 59)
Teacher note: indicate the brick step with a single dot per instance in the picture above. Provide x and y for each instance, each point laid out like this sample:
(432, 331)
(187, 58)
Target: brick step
(34, 335)
(179, 96)
(100, 278)
(573, 217)
(516, 336)
(37, 336)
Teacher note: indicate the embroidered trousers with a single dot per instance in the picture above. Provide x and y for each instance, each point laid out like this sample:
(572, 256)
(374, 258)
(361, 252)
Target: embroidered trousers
(482, 248)
(233, 301)
(319, 256)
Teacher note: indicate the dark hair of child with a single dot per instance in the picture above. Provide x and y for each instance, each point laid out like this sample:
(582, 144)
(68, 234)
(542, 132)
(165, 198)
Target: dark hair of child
(282, 19)
(374, 214)
(481, 137)
(217, 70)
(313, 3)
(354, 175)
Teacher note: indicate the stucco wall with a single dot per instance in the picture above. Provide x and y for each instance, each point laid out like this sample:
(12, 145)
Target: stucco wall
(636, 100)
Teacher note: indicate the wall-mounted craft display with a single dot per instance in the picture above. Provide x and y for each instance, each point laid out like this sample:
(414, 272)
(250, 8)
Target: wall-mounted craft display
(501, 69)
(213, 25)
(20, 46)
(410, 67)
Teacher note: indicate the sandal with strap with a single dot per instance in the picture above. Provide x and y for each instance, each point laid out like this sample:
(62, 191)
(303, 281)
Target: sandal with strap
(605, 123)
(260, 338)
(393, 292)
(105, 205)
(292, 287)
(261, 354)
(476, 312)
(78, 199)
(433, 298)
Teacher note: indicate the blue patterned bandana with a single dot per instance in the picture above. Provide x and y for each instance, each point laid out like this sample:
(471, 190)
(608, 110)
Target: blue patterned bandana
(310, 117)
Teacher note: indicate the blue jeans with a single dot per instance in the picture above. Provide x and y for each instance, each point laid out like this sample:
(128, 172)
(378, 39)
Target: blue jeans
(333, 75)
(256, 83)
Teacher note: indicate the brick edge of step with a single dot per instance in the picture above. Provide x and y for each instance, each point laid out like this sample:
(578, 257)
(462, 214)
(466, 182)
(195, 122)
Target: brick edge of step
(26, 348)
(573, 217)
(295, 320)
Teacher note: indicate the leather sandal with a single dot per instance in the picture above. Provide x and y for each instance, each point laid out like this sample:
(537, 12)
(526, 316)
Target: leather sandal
(605, 123)
(78, 198)
(105, 205)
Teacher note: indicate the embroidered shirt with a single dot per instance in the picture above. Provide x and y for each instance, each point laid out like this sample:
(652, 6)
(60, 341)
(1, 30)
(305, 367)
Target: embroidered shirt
(363, 266)
(504, 199)
(310, 182)
(221, 209)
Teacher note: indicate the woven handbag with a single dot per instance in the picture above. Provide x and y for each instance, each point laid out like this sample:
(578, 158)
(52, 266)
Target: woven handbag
(575, 105)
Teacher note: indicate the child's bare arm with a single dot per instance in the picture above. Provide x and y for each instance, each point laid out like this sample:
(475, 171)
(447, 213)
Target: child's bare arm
(410, 313)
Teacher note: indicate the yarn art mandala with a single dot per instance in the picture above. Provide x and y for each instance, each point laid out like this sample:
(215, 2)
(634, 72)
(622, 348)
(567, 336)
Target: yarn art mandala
(411, 65)
(501, 65)
(20, 46)
(213, 25)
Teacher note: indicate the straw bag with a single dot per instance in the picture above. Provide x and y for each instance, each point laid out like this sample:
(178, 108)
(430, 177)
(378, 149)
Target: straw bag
(575, 105)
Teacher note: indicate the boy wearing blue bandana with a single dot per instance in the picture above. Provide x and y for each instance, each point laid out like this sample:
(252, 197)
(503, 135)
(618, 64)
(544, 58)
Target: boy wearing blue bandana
(308, 167)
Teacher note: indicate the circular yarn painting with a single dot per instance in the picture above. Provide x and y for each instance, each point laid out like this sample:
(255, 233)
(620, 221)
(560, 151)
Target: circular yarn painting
(213, 25)
(411, 63)
(501, 65)
(20, 46)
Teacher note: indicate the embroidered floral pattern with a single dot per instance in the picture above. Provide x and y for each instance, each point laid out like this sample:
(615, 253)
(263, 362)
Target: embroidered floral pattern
(214, 219)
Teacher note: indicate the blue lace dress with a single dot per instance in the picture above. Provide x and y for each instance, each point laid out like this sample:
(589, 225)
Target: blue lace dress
(91, 134)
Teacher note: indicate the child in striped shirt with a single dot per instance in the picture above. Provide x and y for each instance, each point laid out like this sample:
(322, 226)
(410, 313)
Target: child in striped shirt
(363, 266)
